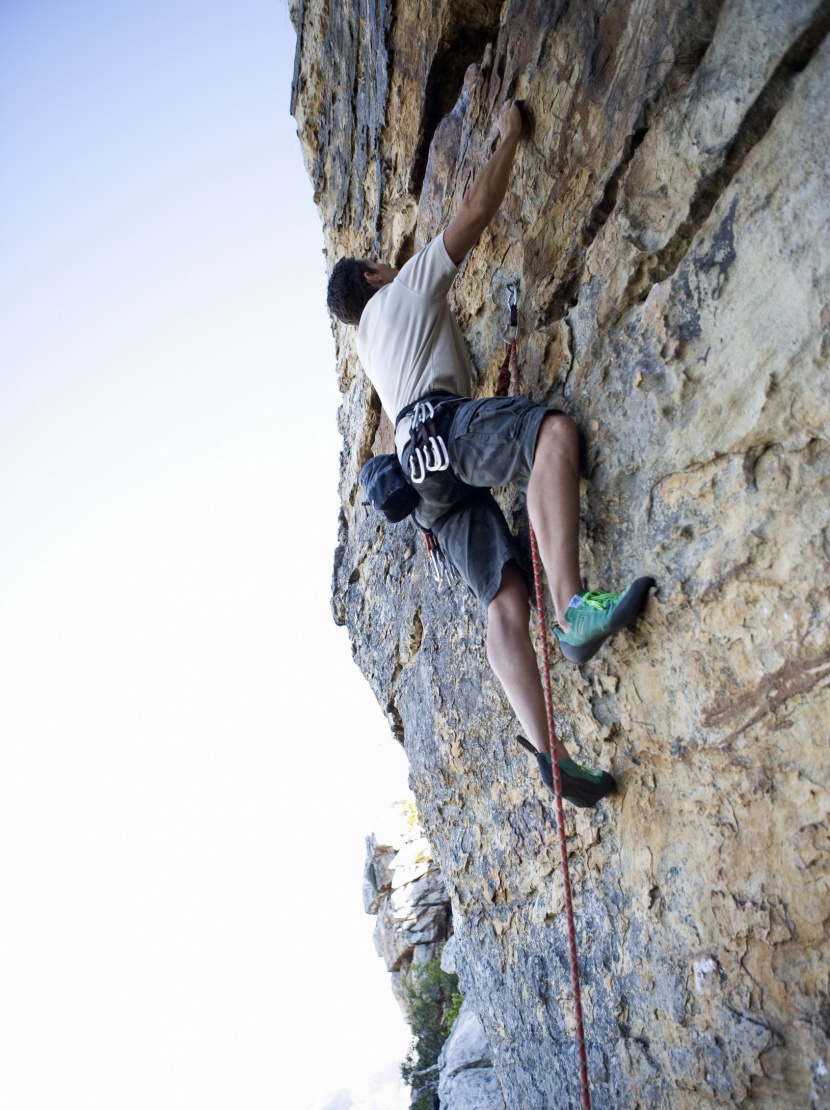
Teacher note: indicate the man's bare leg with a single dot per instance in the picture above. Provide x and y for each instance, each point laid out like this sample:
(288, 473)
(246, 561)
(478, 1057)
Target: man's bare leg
(553, 507)
(511, 654)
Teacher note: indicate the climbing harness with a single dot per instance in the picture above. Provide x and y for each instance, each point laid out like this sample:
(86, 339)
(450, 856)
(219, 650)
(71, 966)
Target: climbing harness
(511, 363)
(429, 456)
(392, 492)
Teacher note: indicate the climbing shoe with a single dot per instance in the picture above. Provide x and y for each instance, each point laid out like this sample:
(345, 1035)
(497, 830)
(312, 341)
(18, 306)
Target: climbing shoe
(594, 616)
(580, 785)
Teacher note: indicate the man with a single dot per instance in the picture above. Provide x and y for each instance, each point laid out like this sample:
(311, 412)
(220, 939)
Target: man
(412, 349)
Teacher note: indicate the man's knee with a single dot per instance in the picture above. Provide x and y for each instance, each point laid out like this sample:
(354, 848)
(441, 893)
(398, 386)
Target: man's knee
(558, 435)
(510, 604)
(559, 432)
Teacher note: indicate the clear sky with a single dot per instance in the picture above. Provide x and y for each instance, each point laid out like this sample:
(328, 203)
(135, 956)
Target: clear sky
(189, 759)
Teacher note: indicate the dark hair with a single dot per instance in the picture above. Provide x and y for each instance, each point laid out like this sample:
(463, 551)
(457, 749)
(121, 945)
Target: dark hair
(349, 292)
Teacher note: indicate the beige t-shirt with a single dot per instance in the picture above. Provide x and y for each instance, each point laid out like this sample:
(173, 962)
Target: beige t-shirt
(408, 340)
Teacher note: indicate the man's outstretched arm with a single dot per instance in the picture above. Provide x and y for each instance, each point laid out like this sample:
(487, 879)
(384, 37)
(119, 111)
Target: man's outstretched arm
(488, 191)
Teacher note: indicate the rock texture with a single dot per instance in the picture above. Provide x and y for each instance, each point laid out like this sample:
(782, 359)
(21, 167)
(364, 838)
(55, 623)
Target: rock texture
(468, 1081)
(669, 224)
(467, 1078)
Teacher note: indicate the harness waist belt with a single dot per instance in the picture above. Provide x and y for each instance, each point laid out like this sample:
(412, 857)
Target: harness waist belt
(434, 398)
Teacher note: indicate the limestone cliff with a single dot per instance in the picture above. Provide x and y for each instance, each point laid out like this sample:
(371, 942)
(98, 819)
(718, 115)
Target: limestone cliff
(669, 225)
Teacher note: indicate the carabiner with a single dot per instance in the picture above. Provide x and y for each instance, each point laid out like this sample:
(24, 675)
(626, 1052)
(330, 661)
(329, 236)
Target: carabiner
(513, 305)
(440, 459)
(436, 570)
(420, 413)
(417, 453)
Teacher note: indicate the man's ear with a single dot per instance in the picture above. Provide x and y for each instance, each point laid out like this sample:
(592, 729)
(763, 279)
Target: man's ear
(371, 278)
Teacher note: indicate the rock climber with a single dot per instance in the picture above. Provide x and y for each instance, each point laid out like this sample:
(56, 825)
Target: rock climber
(412, 350)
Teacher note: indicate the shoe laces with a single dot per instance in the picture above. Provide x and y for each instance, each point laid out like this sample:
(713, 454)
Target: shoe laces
(600, 599)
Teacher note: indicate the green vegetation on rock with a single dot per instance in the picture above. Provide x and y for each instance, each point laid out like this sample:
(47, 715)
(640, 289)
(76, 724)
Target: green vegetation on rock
(434, 1003)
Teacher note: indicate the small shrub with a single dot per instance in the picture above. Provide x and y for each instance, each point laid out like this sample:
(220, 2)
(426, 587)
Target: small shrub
(452, 1013)
(411, 813)
(434, 1002)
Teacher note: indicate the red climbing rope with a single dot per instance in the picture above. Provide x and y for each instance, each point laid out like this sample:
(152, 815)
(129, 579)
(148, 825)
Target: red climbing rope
(502, 388)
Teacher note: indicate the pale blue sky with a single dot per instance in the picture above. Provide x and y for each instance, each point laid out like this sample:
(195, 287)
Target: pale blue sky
(189, 758)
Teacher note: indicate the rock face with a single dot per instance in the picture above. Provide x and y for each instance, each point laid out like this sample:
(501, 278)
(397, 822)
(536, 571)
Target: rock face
(467, 1078)
(669, 224)
(468, 1081)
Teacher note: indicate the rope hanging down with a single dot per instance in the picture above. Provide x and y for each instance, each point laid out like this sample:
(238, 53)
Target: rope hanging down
(511, 362)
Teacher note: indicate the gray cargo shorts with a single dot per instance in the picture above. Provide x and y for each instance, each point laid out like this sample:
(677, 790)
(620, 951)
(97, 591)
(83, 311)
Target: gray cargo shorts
(490, 442)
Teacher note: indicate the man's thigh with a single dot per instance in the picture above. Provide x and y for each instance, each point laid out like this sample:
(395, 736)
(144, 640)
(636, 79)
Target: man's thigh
(476, 540)
(492, 441)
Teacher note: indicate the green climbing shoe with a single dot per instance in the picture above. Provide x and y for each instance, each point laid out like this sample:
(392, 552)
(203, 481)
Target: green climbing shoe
(594, 616)
(580, 785)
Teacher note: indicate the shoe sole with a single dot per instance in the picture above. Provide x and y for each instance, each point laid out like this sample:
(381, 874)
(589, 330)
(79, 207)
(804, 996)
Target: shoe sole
(627, 614)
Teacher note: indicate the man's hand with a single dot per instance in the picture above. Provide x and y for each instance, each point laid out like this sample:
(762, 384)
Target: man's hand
(488, 190)
(510, 121)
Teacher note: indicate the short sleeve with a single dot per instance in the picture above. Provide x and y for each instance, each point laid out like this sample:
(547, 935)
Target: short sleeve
(430, 272)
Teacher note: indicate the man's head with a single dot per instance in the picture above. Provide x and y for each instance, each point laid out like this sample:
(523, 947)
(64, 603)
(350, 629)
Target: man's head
(353, 283)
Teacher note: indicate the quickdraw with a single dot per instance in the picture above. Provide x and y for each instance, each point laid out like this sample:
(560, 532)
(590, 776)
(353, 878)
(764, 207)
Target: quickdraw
(442, 569)
(429, 452)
